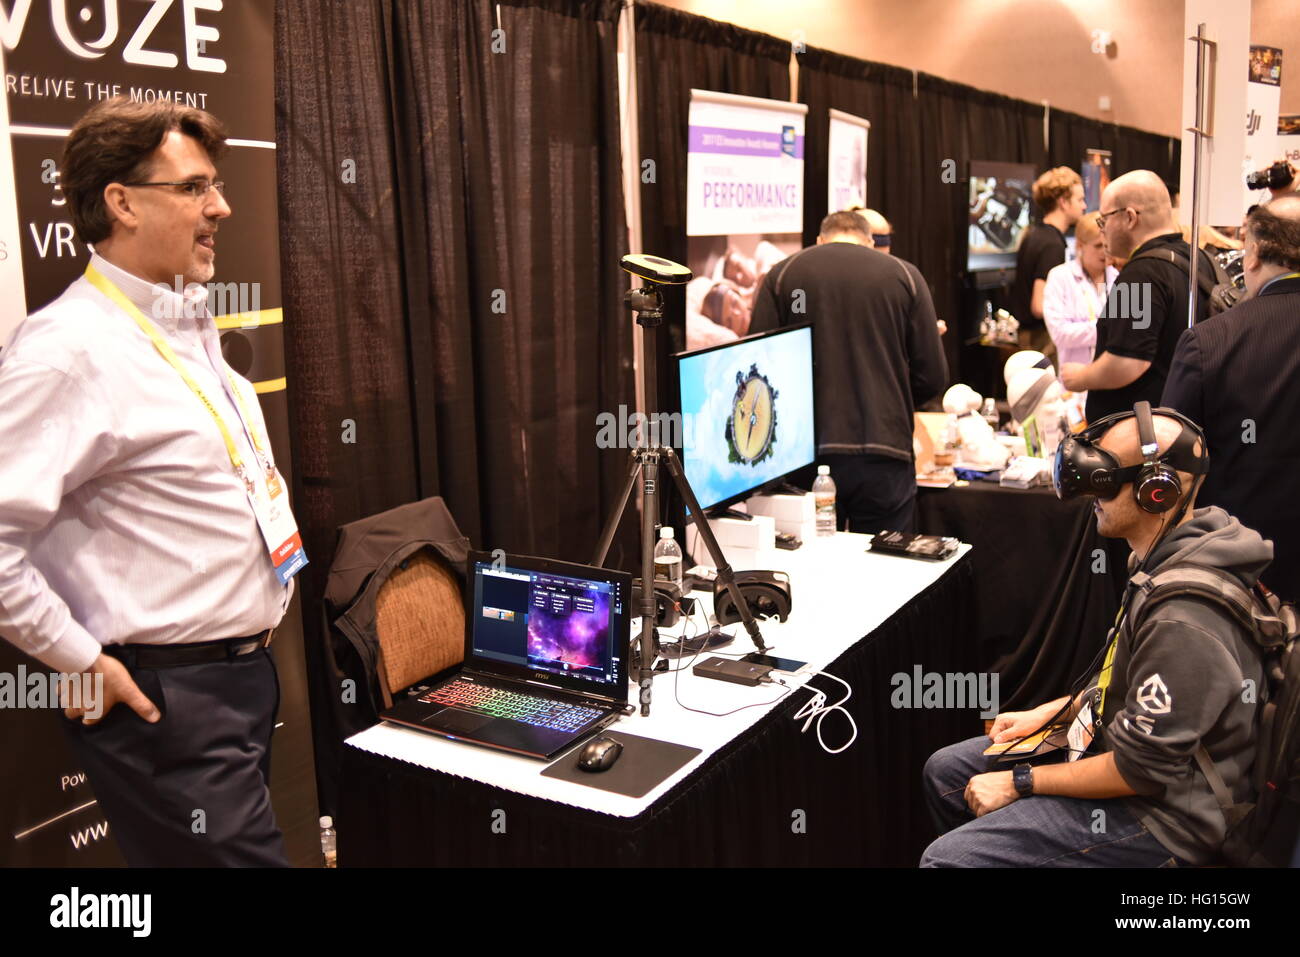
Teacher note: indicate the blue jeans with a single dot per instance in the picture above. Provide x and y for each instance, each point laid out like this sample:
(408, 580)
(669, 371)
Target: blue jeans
(1038, 831)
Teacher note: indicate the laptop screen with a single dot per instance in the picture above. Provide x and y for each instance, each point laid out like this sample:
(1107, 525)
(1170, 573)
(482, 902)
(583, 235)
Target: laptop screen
(568, 630)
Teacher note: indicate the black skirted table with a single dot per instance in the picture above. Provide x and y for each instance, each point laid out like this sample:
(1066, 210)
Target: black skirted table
(768, 796)
(1047, 584)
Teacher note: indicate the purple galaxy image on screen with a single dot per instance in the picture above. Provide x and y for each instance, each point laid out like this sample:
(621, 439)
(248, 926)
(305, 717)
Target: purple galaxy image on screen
(568, 627)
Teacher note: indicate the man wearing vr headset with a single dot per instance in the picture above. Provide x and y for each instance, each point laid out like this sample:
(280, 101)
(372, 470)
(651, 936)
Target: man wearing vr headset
(1124, 786)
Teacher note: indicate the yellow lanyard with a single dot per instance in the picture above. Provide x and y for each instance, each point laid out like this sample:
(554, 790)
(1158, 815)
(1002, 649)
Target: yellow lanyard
(1090, 289)
(107, 287)
(1103, 678)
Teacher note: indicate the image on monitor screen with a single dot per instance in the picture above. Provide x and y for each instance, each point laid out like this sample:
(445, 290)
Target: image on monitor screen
(568, 626)
(747, 410)
(1001, 199)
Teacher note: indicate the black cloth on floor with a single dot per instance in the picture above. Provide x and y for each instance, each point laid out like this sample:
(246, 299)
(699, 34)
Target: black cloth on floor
(1047, 585)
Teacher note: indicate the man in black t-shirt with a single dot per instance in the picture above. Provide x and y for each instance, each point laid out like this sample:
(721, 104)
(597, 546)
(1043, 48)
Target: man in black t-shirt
(1146, 309)
(1058, 194)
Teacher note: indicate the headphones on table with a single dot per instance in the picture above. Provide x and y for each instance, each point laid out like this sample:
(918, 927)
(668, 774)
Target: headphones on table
(1082, 467)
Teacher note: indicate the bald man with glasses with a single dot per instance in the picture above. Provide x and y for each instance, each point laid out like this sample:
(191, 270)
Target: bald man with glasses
(1146, 309)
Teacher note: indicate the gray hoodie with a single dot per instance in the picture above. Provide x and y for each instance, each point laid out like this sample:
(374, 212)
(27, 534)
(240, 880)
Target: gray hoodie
(1183, 680)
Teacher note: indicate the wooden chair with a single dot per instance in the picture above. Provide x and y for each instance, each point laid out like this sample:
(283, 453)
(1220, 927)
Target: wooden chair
(420, 622)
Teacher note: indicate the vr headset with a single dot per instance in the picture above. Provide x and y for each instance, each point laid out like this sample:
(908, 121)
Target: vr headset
(1082, 467)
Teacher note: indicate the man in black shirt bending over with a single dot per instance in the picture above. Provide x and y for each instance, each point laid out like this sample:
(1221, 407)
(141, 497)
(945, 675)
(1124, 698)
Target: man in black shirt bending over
(1058, 194)
(1146, 310)
(876, 345)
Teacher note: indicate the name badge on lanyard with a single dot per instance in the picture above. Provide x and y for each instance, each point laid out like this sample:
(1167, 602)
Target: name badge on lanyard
(263, 484)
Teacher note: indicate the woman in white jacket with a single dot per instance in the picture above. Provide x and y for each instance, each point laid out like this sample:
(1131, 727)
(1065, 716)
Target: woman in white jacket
(1075, 295)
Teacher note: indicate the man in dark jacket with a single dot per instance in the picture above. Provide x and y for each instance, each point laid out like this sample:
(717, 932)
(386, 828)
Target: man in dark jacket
(877, 350)
(1238, 374)
(1169, 684)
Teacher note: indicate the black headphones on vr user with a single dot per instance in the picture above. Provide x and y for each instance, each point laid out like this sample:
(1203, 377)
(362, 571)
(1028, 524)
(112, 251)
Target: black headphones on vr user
(1082, 467)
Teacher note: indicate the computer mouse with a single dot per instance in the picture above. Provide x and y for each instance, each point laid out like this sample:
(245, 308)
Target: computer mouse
(599, 754)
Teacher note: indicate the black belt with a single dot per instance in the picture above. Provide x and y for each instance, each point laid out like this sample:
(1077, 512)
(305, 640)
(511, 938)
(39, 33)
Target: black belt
(190, 653)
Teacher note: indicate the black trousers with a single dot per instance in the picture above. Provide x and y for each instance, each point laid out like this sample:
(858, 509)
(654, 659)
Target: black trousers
(873, 493)
(192, 789)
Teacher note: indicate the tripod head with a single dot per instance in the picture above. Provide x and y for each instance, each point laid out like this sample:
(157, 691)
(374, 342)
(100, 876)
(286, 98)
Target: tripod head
(655, 269)
(647, 300)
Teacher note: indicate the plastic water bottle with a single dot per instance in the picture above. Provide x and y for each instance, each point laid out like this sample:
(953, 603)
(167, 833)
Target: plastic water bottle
(668, 557)
(991, 413)
(824, 495)
(329, 841)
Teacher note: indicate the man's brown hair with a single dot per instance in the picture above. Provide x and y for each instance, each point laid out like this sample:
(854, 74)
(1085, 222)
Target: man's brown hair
(1054, 185)
(845, 222)
(1277, 237)
(113, 142)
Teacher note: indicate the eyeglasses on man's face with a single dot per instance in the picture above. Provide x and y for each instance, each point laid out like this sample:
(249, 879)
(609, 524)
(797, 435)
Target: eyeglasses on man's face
(193, 188)
(1102, 217)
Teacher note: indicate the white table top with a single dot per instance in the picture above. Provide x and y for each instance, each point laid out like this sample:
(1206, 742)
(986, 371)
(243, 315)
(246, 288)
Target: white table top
(840, 594)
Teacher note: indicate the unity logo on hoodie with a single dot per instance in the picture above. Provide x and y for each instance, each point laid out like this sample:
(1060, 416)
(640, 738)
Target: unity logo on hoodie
(1154, 697)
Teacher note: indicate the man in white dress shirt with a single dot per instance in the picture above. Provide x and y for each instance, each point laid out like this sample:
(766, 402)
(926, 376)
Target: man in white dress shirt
(138, 501)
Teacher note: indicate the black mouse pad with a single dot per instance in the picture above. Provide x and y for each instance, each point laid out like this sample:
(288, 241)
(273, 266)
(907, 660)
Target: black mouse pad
(643, 764)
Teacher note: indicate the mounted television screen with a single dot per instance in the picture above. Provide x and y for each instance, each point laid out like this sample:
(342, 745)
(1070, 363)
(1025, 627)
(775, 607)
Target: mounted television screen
(749, 405)
(1001, 199)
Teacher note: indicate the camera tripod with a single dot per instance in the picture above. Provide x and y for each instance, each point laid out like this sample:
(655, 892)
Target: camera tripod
(645, 463)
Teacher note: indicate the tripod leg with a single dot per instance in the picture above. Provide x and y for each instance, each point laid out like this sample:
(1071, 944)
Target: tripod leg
(648, 647)
(616, 516)
(715, 550)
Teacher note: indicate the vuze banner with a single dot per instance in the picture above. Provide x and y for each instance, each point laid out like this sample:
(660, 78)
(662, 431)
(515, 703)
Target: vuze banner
(58, 59)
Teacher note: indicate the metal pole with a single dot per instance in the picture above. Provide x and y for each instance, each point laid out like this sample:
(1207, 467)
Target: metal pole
(1200, 131)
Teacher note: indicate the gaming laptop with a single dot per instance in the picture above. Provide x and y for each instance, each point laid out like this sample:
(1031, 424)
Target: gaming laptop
(546, 649)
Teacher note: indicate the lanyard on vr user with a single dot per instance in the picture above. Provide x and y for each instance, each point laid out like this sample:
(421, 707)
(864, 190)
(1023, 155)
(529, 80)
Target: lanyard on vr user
(108, 288)
(1103, 677)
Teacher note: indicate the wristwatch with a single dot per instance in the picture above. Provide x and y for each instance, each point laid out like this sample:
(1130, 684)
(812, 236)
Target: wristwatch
(1022, 776)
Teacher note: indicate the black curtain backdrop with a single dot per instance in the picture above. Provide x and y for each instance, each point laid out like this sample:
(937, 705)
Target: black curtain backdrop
(958, 124)
(452, 219)
(918, 122)
(883, 95)
(1072, 135)
(924, 132)
(675, 53)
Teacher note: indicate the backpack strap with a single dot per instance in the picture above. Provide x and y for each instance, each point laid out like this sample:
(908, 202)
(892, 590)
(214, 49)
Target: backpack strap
(1205, 281)
(1223, 590)
(1217, 785)
(1195, 581)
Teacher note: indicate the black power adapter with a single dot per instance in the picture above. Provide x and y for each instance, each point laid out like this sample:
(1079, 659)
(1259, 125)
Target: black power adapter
(737, 672)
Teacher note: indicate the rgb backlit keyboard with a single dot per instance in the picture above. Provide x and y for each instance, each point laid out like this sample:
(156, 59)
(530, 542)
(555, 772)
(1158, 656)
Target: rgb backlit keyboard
(500, 703)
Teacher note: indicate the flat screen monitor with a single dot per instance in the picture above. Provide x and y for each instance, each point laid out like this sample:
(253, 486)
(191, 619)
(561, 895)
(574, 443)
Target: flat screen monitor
(1001, 198)
(747, 413)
